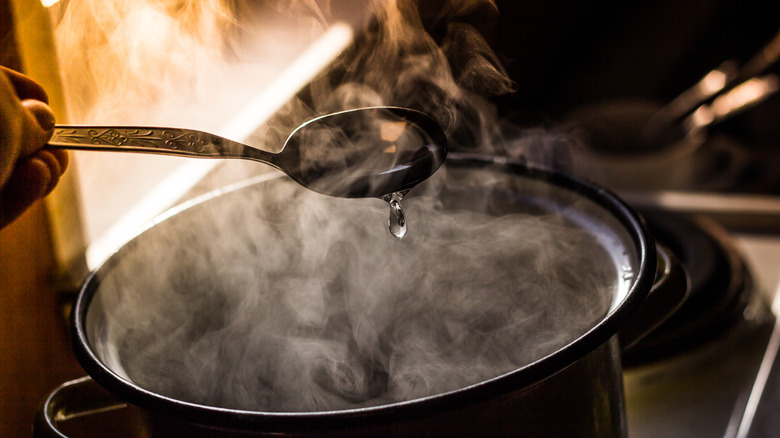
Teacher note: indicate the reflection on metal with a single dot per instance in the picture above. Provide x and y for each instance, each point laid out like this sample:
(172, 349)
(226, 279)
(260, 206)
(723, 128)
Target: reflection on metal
(736, 88)
(391, 131)
(739, 98)
(768, 361)
(748, 212)
(713, 82)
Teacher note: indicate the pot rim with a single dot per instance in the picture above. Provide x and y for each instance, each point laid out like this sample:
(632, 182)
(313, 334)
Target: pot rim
(601, 332)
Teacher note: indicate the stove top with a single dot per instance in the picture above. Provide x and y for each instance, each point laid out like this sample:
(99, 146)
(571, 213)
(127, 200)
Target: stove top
(728, 384)
(721, 379)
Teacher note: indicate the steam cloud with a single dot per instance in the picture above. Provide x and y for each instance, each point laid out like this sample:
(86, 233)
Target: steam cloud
(290, 301)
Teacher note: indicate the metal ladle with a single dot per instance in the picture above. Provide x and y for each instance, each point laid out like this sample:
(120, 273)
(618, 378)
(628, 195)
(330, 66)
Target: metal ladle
(364, 152)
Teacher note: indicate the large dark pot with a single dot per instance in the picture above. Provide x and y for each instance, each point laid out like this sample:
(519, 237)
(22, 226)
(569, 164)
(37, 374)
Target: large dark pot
(572, 388)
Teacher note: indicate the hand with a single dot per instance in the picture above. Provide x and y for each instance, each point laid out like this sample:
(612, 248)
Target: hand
(28, 171)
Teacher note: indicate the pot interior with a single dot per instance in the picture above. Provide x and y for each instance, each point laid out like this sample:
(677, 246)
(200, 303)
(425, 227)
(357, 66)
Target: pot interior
(269, 298)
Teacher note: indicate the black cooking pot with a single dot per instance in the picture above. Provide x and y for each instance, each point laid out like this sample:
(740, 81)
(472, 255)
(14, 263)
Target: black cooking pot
(571, 388)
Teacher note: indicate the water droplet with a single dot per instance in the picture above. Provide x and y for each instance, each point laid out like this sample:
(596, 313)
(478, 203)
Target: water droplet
(396, 223)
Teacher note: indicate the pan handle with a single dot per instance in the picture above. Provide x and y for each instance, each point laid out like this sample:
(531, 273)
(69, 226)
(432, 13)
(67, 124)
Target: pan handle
(71, 400)
(670, 288)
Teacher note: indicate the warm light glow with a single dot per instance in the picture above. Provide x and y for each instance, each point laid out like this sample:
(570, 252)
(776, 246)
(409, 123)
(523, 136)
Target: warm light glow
(713, 82)
(746, 93)
(47, 3)
(391, 131)
(165, 194)
(735, 100)
(299, 73)
(701, 117)
(302, 71)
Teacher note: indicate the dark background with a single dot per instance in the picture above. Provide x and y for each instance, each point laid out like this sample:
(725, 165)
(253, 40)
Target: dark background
(563, 54)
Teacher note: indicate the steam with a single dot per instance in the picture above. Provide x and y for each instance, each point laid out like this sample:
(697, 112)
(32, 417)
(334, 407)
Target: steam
(398, 61)
(286, 300)
(185, 63)
(192, 63)
(289, 301)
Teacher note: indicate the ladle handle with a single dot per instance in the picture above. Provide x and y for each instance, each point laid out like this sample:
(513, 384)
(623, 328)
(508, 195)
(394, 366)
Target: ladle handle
(71, 401)
(152, 140)
(670, 288)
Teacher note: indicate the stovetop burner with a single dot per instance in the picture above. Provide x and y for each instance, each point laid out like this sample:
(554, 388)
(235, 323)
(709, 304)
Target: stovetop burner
(696, 375)
(720, 287)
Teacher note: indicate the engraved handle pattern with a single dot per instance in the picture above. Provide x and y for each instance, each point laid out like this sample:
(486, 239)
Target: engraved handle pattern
(161, 140)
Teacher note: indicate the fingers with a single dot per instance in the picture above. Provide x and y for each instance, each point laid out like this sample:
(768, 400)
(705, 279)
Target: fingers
(28, 171)
(63, 159)
(11, 113)
(25, 87)
(56, 162)
(34, 177)
(42, 113)
(26, 119)
(28, 182)
(37, 125)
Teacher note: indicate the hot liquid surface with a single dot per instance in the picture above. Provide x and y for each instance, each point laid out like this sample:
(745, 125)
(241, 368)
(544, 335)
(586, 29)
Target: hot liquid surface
(271, 304)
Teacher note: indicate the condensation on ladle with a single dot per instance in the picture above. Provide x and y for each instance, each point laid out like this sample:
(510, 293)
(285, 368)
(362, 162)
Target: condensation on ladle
(396, 223)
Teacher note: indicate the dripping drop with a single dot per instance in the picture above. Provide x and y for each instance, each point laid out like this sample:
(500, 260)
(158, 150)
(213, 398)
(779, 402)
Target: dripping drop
(396, 223)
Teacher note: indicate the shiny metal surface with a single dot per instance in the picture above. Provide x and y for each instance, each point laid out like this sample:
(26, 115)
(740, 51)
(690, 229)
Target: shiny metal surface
(362, 152)
(729, 387)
